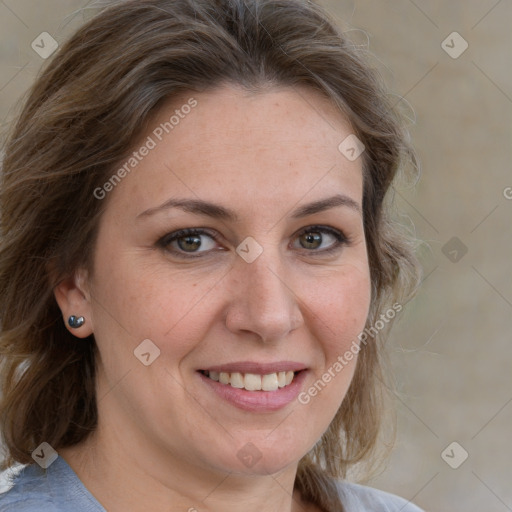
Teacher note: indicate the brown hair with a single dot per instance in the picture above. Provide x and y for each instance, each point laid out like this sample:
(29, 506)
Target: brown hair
(83, 115)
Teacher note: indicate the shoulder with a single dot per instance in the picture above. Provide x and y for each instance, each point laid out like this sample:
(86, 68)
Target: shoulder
(26, 504)
(54, 489)
(360, 498)
(28, 492)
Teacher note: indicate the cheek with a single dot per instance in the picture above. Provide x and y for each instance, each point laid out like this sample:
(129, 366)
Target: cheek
(340, 309)
(136, 301)
(341, 304)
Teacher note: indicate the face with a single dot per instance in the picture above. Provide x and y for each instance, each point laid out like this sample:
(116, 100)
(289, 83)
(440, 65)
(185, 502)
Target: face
(259, 285)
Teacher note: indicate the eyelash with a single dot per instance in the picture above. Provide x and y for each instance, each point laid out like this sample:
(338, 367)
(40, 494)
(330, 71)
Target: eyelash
(165, 241)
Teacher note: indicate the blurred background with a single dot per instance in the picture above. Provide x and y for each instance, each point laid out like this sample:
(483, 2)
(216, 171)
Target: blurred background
(449, 64)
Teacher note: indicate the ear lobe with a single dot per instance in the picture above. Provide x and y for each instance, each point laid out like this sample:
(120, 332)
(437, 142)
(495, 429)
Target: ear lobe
(72, 296)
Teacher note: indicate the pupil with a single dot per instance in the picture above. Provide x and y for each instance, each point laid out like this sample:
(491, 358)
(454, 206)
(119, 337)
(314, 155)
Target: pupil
(312, 238)
(191, 239)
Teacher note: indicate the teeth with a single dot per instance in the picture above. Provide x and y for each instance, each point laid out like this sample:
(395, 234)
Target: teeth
(237, 380)
(252, 381)
(270, 382)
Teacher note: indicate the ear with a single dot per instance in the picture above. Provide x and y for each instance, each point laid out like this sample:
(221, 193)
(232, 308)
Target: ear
(73, 297)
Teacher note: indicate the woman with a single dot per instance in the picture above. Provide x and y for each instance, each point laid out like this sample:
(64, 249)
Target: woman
(197, 264)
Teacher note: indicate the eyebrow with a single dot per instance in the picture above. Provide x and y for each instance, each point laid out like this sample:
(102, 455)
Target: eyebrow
(200, 207)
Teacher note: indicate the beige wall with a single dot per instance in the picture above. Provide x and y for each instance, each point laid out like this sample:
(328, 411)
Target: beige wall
(451, 349)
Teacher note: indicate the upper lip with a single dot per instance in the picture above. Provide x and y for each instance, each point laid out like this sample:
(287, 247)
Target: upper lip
(257, 368)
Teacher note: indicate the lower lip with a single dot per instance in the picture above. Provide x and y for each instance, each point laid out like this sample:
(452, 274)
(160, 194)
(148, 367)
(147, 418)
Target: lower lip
(257, 401)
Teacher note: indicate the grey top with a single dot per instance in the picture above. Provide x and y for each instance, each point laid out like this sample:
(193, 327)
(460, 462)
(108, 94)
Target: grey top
(58, 489)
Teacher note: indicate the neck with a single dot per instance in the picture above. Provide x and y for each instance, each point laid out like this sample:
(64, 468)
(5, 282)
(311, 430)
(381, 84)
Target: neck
(126, 475)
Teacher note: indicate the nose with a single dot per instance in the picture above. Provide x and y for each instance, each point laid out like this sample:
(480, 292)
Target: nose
(263, 299)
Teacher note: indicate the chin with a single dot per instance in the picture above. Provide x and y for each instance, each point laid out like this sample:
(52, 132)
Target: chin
(260, 458)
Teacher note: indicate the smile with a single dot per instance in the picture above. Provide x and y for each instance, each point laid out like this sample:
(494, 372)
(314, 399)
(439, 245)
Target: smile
(252, 381)
(256, 387)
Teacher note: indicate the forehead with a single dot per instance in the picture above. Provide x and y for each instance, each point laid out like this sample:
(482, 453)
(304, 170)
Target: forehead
(272, 147)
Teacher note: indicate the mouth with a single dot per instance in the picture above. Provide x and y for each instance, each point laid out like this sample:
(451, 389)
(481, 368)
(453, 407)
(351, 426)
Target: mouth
(253, 381)
(255, 387)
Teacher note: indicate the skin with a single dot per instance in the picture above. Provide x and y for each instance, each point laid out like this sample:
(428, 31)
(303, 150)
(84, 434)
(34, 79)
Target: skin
(163, 437)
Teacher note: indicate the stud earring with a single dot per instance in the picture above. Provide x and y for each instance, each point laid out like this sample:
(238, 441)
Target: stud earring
(76, 322)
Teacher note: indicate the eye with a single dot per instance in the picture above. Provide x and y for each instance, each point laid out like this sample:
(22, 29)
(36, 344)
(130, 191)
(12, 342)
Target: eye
(187, 242)
(312, 238)
(195, 243)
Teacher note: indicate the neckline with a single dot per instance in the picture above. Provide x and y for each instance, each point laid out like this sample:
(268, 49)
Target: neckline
(65, 483)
